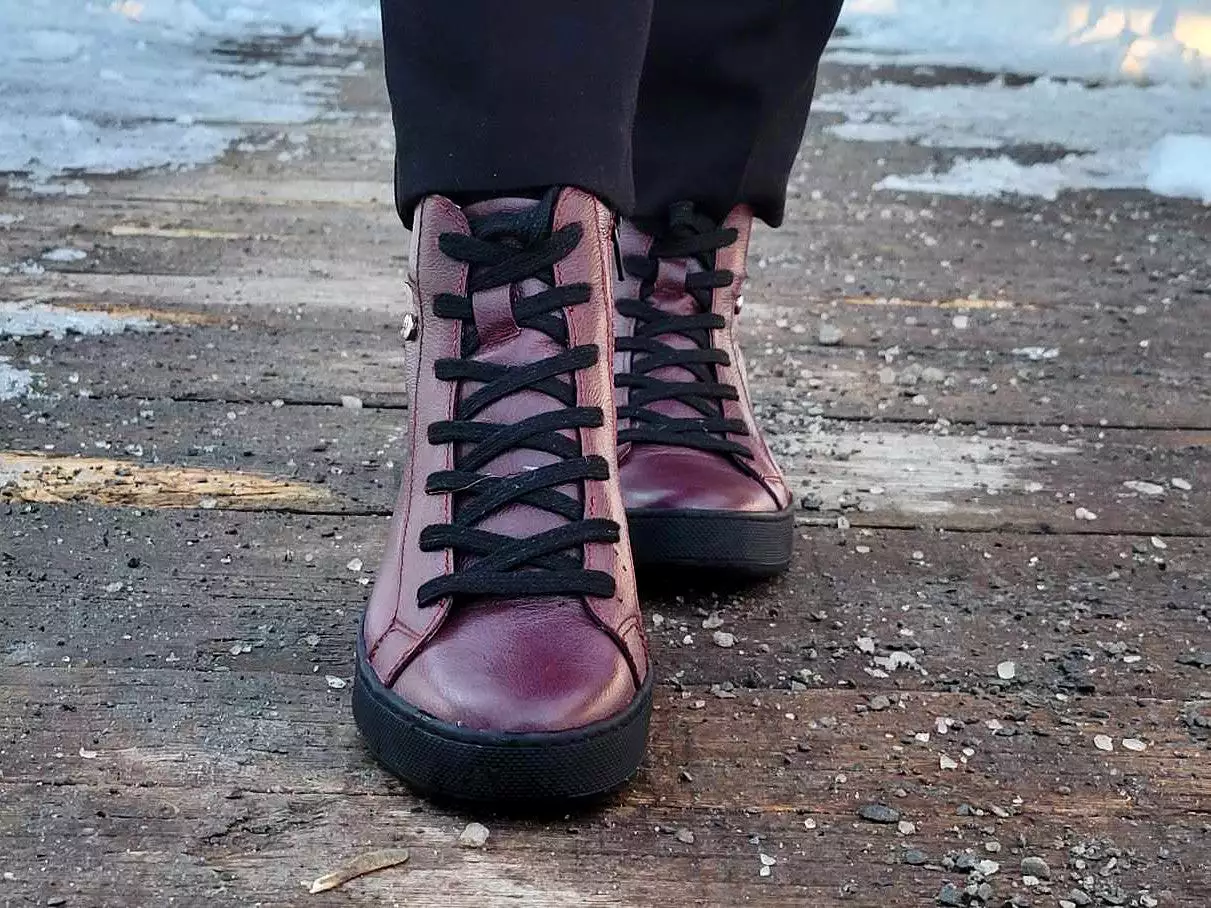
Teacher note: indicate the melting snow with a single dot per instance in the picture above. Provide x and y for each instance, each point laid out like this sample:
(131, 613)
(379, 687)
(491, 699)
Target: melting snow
(14, 382)
(1180, 165)
(1142, 118)
(39, 320)
(1163, 40)
(127, 85)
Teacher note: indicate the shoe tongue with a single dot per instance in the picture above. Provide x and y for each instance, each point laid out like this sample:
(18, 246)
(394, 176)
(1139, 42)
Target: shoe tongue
(670, 295)
(503, 342)
(668, 289)
(506, 205)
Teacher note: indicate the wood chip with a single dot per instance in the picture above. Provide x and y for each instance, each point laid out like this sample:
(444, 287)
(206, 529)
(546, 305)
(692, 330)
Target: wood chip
(370, 862)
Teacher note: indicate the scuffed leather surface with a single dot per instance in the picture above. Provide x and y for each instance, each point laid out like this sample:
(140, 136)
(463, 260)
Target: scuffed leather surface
(515, 666)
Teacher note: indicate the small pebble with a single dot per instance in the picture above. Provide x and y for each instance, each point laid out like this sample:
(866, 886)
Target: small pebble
(1103, 742)
(336, 683)
(879, 702)
(987, 867)
(1085, 514)
(474, 836)
(879, 813)
(1182, 484)
(724, 639)
(1036, 867)
(906, 827)
(349, 402)
(685, 836)
(951, 897)
(914, 858)
(830, 335)
(1006, 671)
(1134, 744)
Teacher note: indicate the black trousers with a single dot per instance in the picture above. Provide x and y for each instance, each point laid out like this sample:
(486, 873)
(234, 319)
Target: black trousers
(642, 102)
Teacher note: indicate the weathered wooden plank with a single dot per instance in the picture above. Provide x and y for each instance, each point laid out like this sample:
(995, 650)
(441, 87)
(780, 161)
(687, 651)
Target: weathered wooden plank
(239, 591)
(349, 457)
(894, 475)
(271, 360)
(244, 771)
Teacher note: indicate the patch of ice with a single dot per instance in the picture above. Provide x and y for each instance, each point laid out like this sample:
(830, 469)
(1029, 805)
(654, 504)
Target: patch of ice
(984, 177)
(1180, 165)
(14, 382)
(40, 320)
(45, 186)
(64, 254)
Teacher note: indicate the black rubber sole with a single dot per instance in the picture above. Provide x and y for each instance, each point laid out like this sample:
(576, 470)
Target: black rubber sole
(733, 542)
(447, 761)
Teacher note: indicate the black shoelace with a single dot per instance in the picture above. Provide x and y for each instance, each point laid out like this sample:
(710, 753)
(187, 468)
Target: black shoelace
(502, 250)
(687, 234)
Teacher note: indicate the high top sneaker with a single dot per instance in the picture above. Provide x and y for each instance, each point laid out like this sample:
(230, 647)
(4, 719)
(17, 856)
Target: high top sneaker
(701, 487)
(502, 654)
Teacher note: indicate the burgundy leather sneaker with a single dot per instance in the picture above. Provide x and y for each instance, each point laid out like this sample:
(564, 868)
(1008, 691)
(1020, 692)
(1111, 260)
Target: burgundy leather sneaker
(502, 654)
(700, 485)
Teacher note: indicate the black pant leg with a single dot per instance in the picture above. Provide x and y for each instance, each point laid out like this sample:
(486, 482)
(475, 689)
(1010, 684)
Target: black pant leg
(496, 96)
(723, 101)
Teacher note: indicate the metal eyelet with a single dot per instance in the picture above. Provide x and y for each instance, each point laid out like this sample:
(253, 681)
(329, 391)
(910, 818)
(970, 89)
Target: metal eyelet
(411, 327)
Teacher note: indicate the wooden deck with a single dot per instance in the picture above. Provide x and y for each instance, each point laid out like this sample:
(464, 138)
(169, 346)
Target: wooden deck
(994, 645)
